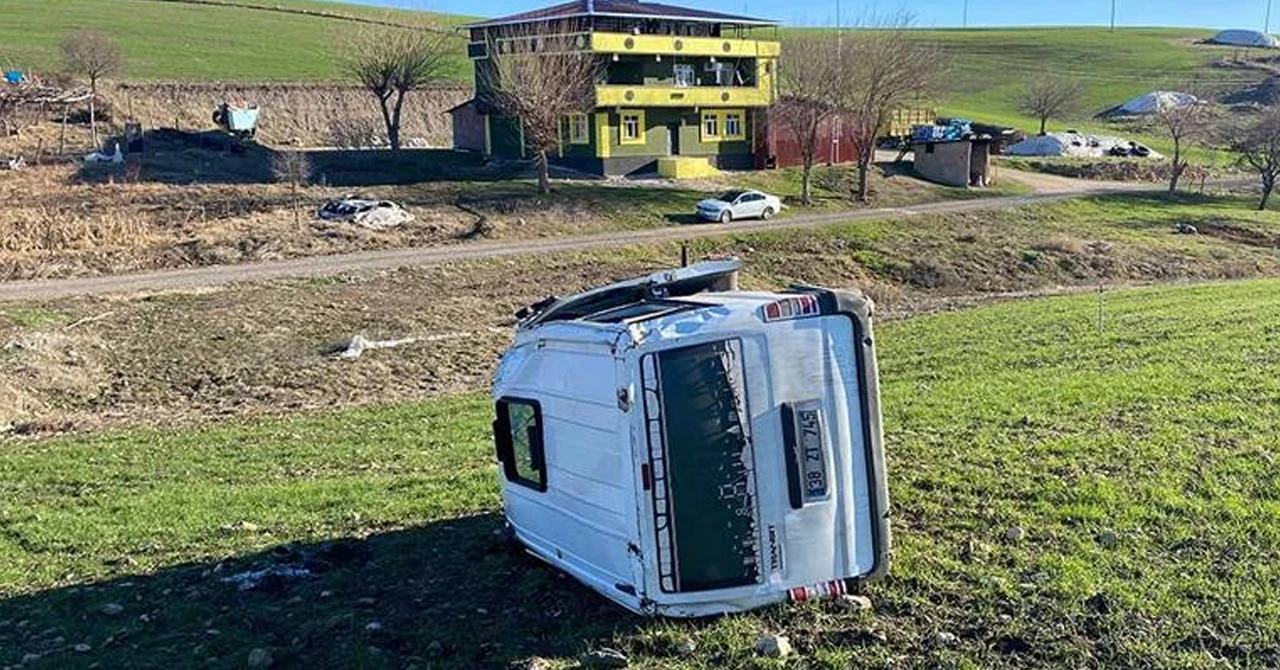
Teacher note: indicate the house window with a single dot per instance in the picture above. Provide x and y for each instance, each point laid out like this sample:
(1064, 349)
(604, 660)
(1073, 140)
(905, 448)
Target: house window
(710, 126)
(632, 128)
(579, 132)
(684, 75)
(733, 129)
(517, 433)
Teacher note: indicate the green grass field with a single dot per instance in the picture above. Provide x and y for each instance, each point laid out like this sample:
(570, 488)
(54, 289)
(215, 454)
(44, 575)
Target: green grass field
(168, 40)
(985, 67)
(1136, 454)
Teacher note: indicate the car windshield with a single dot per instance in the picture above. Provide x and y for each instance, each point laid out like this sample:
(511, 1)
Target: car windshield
(730, 196)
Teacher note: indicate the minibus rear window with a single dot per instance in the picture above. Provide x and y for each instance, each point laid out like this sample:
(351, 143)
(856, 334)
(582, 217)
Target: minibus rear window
(703, 477)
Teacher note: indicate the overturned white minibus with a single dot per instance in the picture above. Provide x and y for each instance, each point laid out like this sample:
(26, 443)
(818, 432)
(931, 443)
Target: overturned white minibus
(687, 449)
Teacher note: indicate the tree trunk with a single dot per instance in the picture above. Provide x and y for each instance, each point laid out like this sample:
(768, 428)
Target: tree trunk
(864, 190)
(1178, 166)
(393, 133)
(93, 113)
(1043, 121)
(395, 121)
(1268, 184)
(806, 172)
(544, 173)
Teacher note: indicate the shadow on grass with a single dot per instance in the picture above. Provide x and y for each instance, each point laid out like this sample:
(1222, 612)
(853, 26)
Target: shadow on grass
(450, 594)
(213, 157)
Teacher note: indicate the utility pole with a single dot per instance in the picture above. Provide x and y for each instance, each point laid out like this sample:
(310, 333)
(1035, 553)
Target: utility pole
(1113, 14)
(964, 21)
(1266, 26)
(839, 31)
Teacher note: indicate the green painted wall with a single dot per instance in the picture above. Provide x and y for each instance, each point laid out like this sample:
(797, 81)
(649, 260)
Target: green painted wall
(504, 136)
(691, 144)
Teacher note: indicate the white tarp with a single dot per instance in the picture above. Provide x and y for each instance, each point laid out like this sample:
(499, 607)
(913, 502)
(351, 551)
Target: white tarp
(1158, 101)
(1245, 38)
(1071, 144)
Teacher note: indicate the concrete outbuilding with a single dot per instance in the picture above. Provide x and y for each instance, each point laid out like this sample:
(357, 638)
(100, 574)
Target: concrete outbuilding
(965, 162)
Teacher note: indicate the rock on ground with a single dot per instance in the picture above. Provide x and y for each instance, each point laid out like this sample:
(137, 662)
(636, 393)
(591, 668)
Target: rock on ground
(776, 646)
(604, 658)
(260, 658)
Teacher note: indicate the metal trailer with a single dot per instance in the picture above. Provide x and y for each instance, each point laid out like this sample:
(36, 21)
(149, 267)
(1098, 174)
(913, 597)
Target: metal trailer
(686, 449)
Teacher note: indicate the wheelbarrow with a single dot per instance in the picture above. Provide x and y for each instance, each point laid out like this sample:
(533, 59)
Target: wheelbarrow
(242, 122)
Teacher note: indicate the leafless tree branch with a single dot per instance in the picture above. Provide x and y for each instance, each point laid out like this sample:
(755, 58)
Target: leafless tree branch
(1050, 97)
(94, 56)
(809, 77)
(884, 67)
(538, 76)
(391, 62)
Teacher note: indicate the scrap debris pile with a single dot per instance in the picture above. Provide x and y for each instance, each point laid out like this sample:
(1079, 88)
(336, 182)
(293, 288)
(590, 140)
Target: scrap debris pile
(373, 214)
(21, 90)
(24, 90)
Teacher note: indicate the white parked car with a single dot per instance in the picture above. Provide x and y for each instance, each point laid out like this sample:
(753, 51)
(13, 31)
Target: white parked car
(732, 205)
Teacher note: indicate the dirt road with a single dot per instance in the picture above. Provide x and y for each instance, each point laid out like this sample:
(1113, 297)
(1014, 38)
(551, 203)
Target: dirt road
(374, 260)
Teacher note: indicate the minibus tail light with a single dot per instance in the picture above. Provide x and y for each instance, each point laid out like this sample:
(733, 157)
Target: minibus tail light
(792, 307)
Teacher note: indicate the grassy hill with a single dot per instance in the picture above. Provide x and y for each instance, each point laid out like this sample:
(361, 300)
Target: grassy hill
(1134, 456)
(989, 67)
(278, 40)
(213, 40)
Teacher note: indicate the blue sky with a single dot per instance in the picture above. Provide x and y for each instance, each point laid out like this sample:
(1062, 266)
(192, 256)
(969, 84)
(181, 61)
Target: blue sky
(948, 13)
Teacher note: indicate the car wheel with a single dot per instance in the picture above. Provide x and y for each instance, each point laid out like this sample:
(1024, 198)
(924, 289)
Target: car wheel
(726, 216)
(767, 213)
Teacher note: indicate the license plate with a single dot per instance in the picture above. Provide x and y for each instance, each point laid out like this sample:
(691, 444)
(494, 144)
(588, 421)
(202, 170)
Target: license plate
(814, 456)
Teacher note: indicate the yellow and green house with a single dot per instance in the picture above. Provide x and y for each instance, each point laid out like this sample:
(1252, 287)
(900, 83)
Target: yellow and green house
(679, 84)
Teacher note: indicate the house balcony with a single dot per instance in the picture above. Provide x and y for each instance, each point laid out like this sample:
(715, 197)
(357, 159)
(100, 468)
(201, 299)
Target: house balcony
(625, 43)
(615, 95)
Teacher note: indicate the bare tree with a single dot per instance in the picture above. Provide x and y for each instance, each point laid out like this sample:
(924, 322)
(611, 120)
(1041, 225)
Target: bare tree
(884, 68)
(809, 77)
(292, 168)
(92, 55)
(1259, 148)
(539, 78)
(390, 62)
(1050, 97)
(1184, 124)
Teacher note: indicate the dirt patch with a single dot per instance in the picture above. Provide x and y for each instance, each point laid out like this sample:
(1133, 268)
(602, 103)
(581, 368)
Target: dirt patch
(268, 348)
(57, 225)
(1239, 234)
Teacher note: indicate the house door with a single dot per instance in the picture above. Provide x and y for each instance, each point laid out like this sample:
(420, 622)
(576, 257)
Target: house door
(673, 139)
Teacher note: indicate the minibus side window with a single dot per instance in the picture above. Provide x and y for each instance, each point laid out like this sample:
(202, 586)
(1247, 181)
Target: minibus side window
(517, 432)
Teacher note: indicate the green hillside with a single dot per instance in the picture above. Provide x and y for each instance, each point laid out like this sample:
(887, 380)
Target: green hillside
(290, 40)
(988, 67)
(170, 40)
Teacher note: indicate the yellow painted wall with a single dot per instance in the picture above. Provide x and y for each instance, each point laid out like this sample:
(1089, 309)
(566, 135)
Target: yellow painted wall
(685, 96)
(692, 46)
(685, 167)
